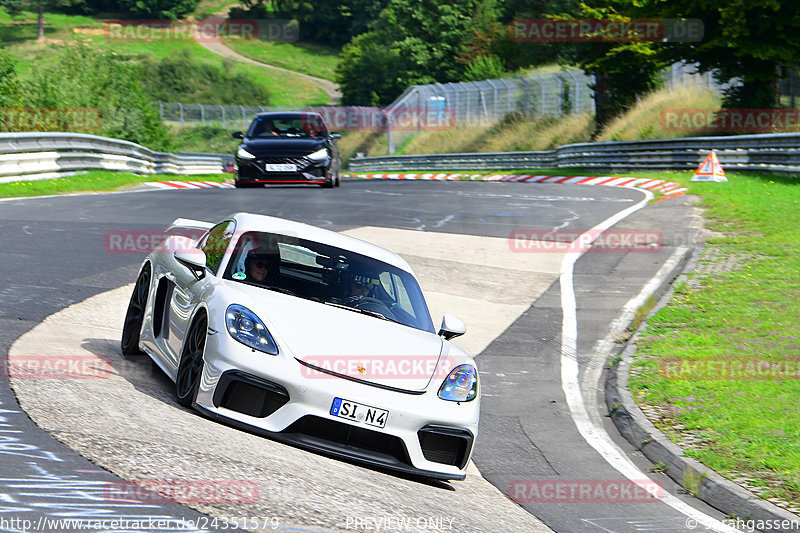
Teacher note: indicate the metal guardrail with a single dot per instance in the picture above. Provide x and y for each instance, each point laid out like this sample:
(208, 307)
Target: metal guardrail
(40, 155)
(778, 152)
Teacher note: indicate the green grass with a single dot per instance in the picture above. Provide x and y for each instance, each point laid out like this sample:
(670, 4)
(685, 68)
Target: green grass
(210, 139)
(744, 422)
(315, 60)
(18, 39)
(92, 181)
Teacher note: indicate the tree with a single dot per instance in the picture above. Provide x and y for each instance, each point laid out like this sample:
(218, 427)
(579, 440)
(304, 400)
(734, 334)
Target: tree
(168, 9)
(367, 73)
(623, 71)
(15, 7)
(413, 42)
(747, 40)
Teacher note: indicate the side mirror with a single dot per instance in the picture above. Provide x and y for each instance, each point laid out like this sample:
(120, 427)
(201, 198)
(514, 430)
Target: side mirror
(237, 135)
(336, 135)
(193, 259)
(451, 327)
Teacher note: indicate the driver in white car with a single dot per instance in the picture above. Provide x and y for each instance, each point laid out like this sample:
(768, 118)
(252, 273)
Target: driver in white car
(360, 286)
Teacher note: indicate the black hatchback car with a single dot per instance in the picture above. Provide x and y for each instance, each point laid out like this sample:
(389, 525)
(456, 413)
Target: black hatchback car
(287, 147)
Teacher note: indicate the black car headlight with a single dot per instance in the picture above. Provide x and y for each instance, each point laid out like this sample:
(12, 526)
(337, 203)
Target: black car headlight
(244, 154)
(244, 326)
(461, 384)
(319, 156)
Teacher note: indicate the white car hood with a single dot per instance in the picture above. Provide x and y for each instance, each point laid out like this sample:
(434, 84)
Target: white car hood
(347, 343)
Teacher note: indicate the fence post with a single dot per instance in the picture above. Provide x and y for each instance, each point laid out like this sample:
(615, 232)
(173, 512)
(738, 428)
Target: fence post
(527, 95)
(222, 111)
(161, 110)
(202, 114)
(544, 94)
(559, 92)
(577, 107)
(180, 108)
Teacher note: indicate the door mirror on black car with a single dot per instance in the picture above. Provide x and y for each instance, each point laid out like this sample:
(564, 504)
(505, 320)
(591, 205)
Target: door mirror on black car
(336, 135)
(237, 135)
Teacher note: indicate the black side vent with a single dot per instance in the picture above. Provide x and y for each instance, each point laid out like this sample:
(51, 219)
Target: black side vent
(249, 395)
(446, 445)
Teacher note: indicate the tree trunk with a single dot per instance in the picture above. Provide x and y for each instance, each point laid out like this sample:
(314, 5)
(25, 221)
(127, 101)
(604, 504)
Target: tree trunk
(40, 34)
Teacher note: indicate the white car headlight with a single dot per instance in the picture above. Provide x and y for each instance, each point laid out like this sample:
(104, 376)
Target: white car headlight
(461, 384)
(319, 155)
(244, 154)
(247, 328)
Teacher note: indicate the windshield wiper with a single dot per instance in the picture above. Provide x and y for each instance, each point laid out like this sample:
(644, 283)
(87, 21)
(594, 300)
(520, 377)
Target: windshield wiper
(362, 311)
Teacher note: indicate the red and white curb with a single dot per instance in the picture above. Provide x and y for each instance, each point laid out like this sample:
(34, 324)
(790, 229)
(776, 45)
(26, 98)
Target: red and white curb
(664, 187)
(190, 184)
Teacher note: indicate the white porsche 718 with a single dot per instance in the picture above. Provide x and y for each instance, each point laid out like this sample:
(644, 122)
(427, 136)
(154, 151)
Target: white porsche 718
(309, 337)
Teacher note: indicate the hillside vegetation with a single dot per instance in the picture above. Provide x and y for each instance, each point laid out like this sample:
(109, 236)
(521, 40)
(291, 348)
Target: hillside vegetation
(517, 133)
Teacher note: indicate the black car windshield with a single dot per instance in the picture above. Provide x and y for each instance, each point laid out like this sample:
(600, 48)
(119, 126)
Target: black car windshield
(329, 275)
(294, 125)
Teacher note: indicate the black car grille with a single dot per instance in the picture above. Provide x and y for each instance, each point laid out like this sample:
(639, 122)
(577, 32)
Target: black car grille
(352, 438)
(302, 163)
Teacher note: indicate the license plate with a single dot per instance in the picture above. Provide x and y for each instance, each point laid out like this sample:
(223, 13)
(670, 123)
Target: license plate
(280, 167)
(358, 412)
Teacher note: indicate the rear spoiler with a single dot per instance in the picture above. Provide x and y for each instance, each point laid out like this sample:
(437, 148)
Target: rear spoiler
(188, 223)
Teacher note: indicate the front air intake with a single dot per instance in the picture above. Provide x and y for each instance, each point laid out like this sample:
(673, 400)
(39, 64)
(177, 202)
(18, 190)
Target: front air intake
(249, 395)
(446, 445)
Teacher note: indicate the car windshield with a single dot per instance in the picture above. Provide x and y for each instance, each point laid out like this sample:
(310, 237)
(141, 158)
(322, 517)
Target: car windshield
(329, 275)
(287, 126)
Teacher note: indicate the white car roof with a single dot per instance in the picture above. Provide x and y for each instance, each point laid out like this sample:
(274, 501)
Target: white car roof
(252, 222)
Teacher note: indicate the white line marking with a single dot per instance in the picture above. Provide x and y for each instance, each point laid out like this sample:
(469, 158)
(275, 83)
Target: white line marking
(594, 434)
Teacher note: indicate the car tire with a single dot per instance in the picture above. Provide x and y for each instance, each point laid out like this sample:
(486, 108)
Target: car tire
(134, 317)
(240, 185)
(328, 184)
(190, 368)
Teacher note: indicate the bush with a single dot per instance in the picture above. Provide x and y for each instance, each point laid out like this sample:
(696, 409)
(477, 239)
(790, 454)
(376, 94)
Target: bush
(180, 78)
(105, 81)
(484, 67)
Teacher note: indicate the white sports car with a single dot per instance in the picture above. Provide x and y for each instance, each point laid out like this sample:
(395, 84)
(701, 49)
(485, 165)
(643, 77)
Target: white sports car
(310, 337)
